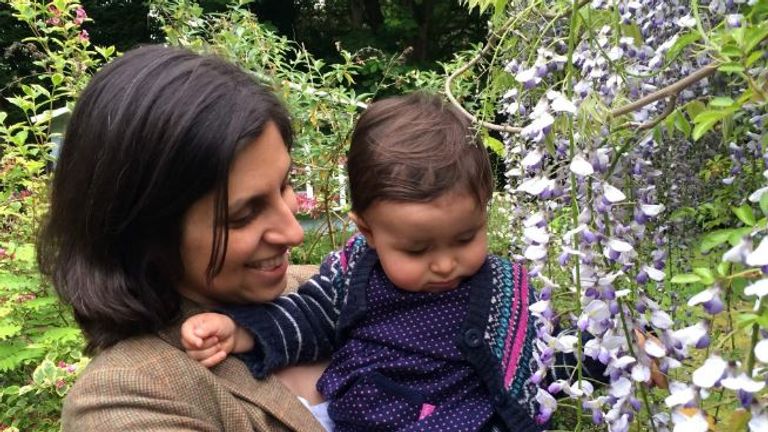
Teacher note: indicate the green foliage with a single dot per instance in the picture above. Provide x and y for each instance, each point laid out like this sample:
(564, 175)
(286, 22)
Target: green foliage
(35, 330)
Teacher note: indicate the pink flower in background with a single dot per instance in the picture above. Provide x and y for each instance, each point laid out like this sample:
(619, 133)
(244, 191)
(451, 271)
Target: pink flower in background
(306, 204)
(54, 20)
(84, 35)
(80, 16)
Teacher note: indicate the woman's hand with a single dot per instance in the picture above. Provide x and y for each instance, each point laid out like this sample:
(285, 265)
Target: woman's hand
(209, 337)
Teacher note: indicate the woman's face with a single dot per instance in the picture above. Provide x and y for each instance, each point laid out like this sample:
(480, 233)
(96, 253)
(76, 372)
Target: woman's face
(262, 228)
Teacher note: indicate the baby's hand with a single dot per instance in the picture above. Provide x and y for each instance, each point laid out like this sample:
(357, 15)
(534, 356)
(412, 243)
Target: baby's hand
(208, 337)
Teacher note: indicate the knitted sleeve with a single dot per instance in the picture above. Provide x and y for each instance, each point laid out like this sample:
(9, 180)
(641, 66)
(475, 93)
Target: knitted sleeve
(299, 327)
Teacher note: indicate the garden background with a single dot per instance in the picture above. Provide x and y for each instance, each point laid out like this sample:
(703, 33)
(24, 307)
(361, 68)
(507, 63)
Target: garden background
(628, 139)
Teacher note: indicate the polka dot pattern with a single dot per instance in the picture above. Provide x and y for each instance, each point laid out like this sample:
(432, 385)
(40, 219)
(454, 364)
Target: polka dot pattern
(403, 355)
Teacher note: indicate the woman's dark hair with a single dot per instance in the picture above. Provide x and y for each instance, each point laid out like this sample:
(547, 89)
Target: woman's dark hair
(415, 148)
(153, 132)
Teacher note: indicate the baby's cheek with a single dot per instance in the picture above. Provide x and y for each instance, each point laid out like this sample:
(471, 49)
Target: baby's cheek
(404, 274)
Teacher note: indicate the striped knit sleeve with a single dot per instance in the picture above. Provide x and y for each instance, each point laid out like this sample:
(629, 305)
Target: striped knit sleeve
(299, 327)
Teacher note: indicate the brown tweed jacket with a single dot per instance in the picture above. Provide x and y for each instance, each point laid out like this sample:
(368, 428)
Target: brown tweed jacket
(149, 384)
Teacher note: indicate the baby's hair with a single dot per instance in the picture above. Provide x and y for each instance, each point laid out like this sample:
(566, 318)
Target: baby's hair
(415, 148)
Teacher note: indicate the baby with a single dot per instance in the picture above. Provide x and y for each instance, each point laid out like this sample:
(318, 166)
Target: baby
(428, 331)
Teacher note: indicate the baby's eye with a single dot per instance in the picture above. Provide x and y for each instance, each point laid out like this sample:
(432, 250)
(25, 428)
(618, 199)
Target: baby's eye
(467, 239)
(415, 252)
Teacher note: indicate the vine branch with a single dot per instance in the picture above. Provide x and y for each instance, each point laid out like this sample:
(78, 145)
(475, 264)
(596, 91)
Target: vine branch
(448, 93)
(668, 91)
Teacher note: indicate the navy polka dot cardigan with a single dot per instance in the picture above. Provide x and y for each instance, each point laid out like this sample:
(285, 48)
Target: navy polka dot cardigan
(496, 337)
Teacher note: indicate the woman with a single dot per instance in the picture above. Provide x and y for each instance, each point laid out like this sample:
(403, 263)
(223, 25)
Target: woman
(171, 196)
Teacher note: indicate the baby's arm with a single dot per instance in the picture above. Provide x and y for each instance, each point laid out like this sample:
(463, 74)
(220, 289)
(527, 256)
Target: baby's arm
(300, 327)
(209, 337)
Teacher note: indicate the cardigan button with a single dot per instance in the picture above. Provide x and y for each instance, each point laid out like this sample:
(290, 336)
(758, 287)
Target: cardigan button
(473, 338)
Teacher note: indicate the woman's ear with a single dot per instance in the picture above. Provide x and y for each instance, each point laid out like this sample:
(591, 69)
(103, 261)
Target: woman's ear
(364, 228)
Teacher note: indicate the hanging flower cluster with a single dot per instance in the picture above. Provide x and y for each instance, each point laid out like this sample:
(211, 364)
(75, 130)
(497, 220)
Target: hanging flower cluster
(594, 198)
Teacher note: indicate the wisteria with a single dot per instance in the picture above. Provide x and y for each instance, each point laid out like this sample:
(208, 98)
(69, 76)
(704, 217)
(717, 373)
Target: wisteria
(602, 186)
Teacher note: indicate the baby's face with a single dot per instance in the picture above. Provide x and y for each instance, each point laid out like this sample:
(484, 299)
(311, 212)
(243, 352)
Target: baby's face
(428, 247)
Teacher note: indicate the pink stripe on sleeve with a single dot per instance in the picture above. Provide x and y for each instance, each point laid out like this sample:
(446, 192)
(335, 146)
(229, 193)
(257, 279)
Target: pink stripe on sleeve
(521, 293)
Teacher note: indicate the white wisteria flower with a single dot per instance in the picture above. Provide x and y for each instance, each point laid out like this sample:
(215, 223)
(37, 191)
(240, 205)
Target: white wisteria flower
(536, 185)
(652, 209)
(619, 245)
(654, 273)
(690, 336)
(536, 234)
(685, 422)
(759, 288)
(528, 77)
(680, 394)
(532, 158)
(738, 254)
(710, 372)
(566, 343)
(559, 103)
(581, 166)
(535, 252)
(641, 373)
(686, 21)
(613, 194)
(620, 388)
(742, 382)
(758, 423)
(761, 351)
(534, 219)
(759, 257)
(704, 296)
(654, 348)
(540, 125)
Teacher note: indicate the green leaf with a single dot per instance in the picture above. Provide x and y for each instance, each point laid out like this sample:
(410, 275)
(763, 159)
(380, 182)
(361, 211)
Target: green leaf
(714, 239)
(8, 330)
(682, 42)
(738, 421)
(737, 234)
(25, 253)
(16, 354)
(730, 50)
(705, 274)
(40, 302)
(731, 67)
(755, 56)
(745, 214)
(764, 203)
(62, 334)
(706, 120)
(721, 101)
(685, 278)
(57, 79)
(12, 282)
(694, 108)
(723, 268)
(494, 145)
(682, 124)
(753, 36)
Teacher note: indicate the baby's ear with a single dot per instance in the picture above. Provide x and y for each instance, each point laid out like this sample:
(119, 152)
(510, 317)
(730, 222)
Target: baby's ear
(364, 228)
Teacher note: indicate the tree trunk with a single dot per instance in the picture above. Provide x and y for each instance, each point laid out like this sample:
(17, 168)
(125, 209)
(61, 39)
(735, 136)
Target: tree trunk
(422, 13)
(373, 14)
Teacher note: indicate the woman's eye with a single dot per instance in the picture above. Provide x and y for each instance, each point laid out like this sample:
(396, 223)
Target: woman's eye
(240, 221)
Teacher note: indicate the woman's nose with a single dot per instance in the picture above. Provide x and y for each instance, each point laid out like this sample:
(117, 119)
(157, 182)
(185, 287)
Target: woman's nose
(285, 229)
